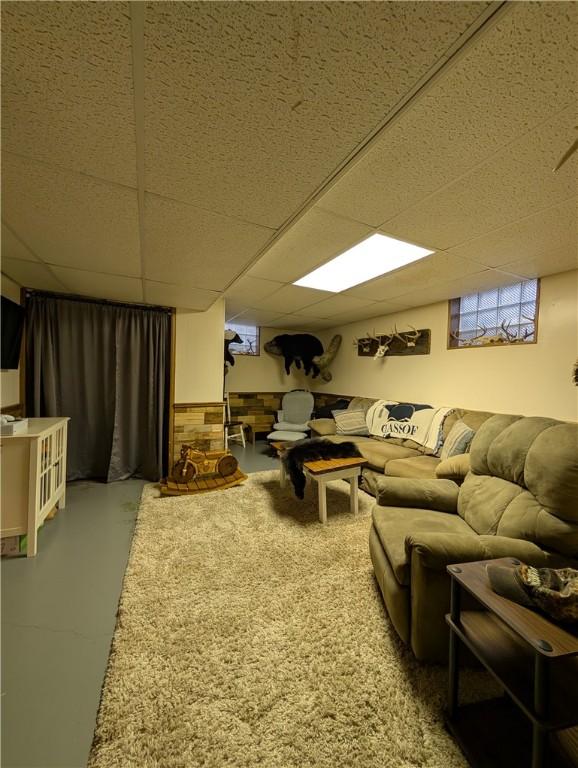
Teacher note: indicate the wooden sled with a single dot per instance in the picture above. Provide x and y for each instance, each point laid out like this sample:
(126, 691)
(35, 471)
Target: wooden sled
(200, 472)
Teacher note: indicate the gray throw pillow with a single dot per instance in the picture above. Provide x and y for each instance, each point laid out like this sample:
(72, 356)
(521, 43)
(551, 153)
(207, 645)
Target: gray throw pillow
(458, 440)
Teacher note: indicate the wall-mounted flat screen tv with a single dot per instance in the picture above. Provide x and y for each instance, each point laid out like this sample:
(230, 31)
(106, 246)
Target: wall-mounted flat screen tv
(12, 323)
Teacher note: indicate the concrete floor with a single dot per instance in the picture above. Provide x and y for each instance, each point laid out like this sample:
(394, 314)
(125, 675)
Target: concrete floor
(58, 618)
(255, 458)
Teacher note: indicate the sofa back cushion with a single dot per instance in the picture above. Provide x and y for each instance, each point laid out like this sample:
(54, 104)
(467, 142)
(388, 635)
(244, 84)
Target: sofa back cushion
(524, 481)
(472, 419)
(361, 403)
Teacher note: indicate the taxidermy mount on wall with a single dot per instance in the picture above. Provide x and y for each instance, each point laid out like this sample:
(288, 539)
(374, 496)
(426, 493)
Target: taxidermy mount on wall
(231, 337)
(303, 348)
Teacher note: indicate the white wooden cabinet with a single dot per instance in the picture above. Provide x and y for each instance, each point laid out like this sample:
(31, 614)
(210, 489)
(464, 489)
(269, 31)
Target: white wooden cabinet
(33, 477)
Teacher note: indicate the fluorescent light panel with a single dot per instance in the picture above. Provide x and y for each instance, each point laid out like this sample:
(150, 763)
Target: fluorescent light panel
(374, 256)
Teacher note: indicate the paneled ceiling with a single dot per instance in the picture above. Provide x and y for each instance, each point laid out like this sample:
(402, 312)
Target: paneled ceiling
(172, 153)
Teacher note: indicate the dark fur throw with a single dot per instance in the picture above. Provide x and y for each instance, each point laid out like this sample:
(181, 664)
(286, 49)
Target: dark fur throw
(313, 450)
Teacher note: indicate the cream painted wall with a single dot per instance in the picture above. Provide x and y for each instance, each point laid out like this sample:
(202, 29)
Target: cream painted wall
(532, 379)
(266, 373)
(9, 380)
(199, 355)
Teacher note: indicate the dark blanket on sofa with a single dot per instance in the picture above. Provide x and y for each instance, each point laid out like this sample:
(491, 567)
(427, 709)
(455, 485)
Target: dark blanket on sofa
(313, 450)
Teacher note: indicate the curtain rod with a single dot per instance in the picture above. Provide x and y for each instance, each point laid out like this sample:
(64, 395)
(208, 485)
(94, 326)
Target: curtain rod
(88, 300)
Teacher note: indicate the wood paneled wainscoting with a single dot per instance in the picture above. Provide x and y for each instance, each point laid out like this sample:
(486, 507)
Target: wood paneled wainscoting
(259, 409)
(199, 425)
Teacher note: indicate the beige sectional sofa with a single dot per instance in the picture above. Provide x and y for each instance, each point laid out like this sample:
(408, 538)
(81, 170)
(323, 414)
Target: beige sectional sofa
(519, 500)
(396, 457)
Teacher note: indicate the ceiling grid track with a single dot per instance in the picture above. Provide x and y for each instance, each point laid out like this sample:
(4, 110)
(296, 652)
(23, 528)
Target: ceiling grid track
(137, 21)
(25, 245)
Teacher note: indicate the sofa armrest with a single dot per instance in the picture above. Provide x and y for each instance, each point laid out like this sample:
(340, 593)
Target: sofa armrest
(455, 468)
(440, 495)
(323, 426)
(438, 550)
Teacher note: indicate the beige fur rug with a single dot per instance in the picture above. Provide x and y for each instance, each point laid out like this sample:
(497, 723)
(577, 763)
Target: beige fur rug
(250, 635)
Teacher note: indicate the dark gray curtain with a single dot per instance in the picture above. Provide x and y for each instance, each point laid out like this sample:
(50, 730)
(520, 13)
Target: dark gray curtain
(107, 367)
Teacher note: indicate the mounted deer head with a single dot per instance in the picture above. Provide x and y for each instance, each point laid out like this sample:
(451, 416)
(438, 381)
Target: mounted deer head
(409, 338)
(383, 346)
(382, 342)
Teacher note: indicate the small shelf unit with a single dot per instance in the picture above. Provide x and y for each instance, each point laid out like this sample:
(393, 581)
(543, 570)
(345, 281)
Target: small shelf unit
(33, 477)
(536, 663)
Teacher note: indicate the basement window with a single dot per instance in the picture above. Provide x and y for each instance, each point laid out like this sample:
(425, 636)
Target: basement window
(507, 315)
(249, 335)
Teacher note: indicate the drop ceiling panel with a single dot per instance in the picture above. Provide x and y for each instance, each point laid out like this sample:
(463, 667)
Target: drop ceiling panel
(386, 308)
(553, 229)
(548, 262)
(31, 274)
(249, 289)
(72, 220)
(516, 182)
(67, 91)
(13, 247)
(369, 313)
(296, 323)
(194, 247)
(336, 304)
(167, 295)
(344, 318)
(292, 298)
(251, 106)
(234, 308)
(433, 269)
(482, 281)
(512, 78)
(256, 317)
(317, 237)
(100, 286)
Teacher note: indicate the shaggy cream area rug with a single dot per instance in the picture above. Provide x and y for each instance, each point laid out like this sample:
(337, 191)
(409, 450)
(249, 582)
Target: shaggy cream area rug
(250, 635)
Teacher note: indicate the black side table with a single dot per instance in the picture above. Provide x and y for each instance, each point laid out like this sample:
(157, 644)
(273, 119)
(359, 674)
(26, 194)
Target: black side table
(536, 663)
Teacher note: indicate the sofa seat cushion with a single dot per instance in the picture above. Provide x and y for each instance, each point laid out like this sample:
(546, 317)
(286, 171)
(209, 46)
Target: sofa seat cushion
(287, 426)
(284, 436)
(394, 524)
(322, 426)
(377, 452)
(422, 467)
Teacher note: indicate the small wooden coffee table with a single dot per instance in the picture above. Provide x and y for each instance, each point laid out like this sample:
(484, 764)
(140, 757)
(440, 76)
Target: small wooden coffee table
(326, 470)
